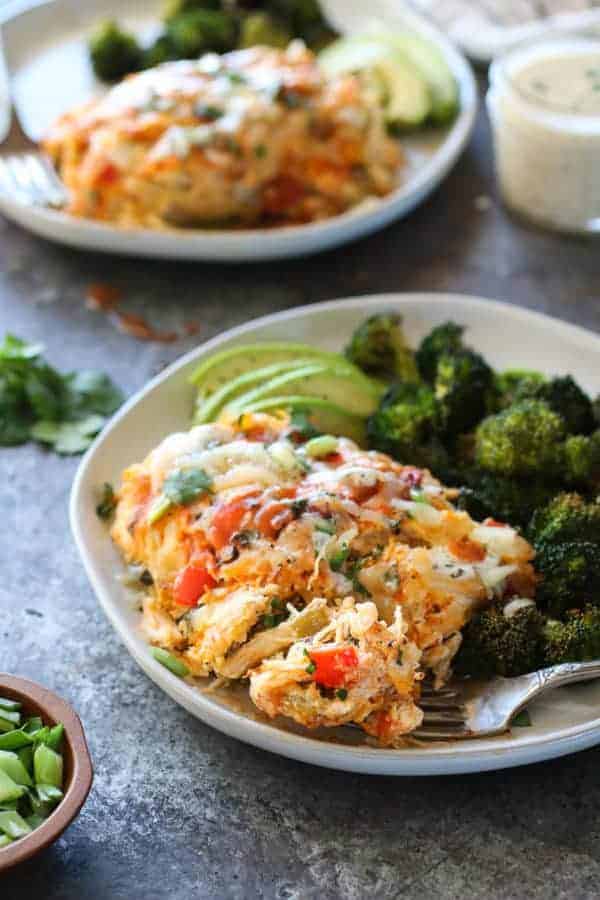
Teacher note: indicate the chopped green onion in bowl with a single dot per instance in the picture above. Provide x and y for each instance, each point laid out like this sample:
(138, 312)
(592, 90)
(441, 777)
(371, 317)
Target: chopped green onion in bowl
(31, 771)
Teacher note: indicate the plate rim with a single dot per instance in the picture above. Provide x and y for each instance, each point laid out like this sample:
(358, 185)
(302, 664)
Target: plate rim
(433, 760)
(283, 241)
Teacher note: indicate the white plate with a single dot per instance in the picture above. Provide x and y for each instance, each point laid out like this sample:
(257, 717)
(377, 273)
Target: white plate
(567, 721)
(44, 46)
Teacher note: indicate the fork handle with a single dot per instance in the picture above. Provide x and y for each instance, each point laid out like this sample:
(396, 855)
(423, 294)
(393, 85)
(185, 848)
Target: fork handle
(566, 673)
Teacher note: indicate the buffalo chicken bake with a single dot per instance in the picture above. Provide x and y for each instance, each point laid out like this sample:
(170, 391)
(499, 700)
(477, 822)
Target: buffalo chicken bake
(333, 579)
(257, 136)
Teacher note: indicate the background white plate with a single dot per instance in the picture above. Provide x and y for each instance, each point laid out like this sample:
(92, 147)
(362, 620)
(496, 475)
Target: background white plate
(46, 60)
(566, 721)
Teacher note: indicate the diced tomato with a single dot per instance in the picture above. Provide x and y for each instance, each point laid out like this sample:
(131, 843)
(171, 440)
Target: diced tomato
(191, 583)
(334, 666)
(493, 523)
(466, 550)
(273, 517)
(334, 459)
(227, 519)
(108, 174)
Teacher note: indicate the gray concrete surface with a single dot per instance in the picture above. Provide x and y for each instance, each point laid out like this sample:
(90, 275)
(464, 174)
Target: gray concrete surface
(178, 810)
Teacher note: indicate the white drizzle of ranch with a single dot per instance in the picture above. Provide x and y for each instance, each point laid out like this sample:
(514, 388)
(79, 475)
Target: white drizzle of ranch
(566, 84)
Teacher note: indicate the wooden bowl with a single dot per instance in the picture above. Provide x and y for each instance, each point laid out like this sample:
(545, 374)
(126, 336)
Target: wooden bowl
(78, 771)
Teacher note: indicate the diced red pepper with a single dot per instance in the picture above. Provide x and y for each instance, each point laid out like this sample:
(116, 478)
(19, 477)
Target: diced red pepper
(108, 174)
(334, 666)
(273, 517)
(191, 583)
(227, 519)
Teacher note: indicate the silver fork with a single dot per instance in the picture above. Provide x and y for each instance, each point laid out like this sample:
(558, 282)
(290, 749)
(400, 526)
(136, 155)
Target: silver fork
(27, 176)
(472, 709)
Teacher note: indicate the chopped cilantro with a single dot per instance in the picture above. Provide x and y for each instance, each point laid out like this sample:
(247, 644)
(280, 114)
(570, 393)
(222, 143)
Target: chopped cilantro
(341, 694)
(337, 560)
(311, 667)
(260, 151)
(186, 485)
(37, 402)
(301, 425)
(108, 501)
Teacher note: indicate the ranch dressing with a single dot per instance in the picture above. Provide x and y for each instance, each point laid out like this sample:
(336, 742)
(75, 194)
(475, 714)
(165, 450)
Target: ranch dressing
(544, 105)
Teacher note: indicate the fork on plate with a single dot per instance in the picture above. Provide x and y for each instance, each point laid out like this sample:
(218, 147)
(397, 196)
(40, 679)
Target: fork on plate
(471, 710)
(27, 176)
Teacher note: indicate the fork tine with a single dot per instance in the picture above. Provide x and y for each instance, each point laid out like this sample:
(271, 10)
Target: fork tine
(18, 168)
(425, 733)
(39, 177)
(11, 183)
(432, 702)
(43, 170)
(444, 717)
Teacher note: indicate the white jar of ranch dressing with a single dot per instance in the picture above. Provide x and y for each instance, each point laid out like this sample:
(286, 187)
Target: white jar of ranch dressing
(544, 105)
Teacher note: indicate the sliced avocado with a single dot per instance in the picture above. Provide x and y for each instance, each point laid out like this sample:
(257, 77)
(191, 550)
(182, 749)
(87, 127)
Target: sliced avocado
(408, 97)
(430, 63)
(221, 368)
(405, 89)
(207, 409)
(335, 384)
(324, 415)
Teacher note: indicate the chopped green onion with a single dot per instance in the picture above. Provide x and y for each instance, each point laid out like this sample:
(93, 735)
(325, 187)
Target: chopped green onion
(15, 739)
(55, 736)
(170, 662)
(337, 559)
(12, 766)
(325, 525)
(47, 766)
(32, 725)
(321, 446)
(49, 793)
(25, 754)
(160, 507)
(14, 825)
(10, 705)
(5, 840)
(9, 789)
(341, 694)
(311, 667)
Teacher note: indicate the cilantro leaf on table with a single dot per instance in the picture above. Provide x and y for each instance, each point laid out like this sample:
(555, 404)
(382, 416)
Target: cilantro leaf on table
(39, 403)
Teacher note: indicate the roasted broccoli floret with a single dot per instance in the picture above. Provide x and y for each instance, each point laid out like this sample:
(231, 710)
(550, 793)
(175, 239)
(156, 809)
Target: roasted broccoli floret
(570, 573)
(582, 460)
(568, 517)
(517, 384)
(261, 28)
(114, 53)
(405, 426)
(505, 639)
(505, 499)
(200, 30)
(577, 639)
(445, 340)
(523, 440)
(566, 398)
(463, 387)
(162, 50)
(378, 347)
(174, 8)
